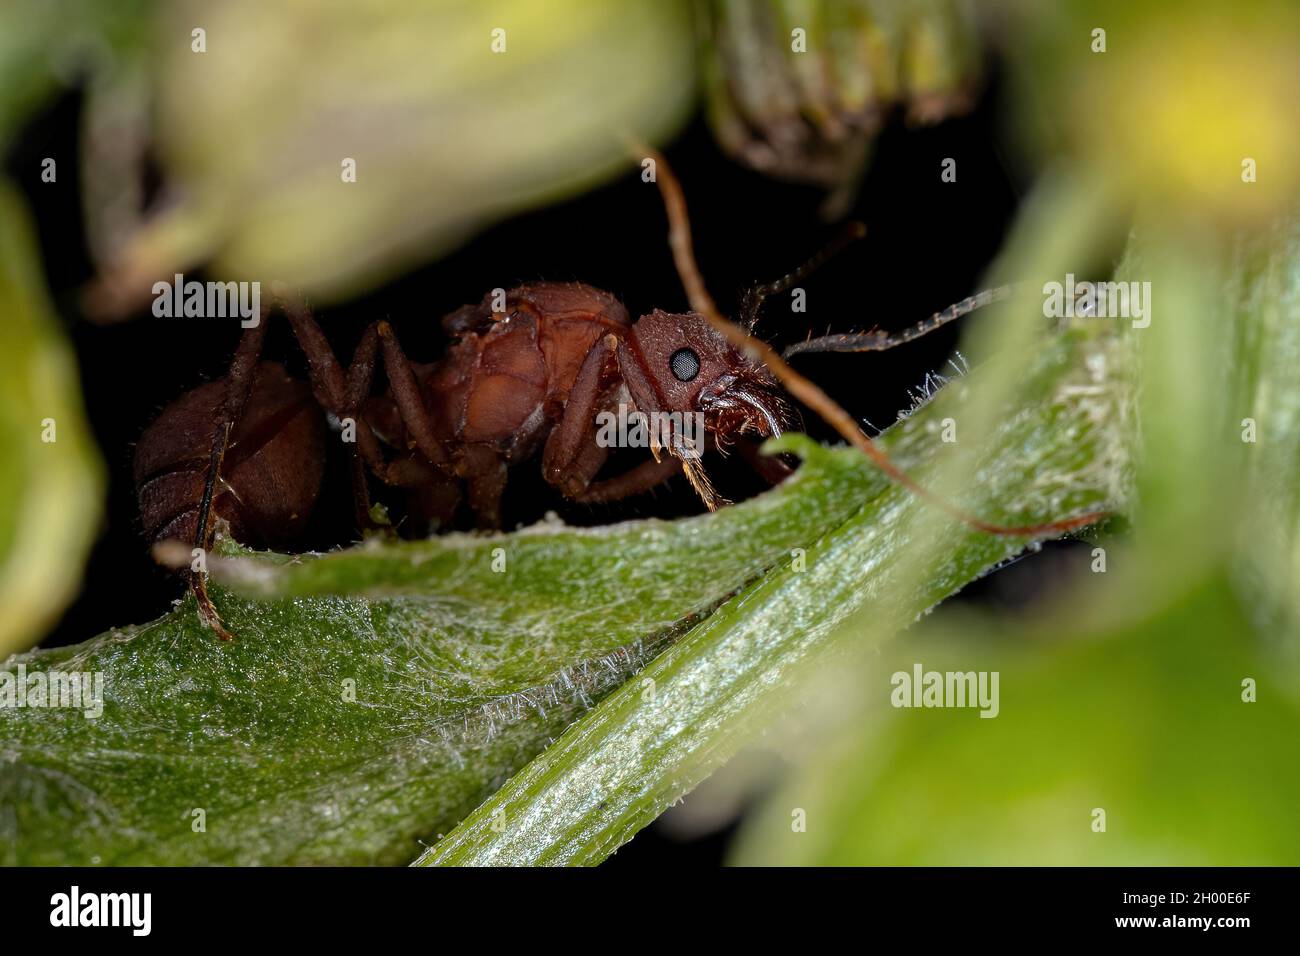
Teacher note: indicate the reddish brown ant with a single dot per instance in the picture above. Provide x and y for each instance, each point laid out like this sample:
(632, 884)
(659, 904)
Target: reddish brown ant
(525, 377)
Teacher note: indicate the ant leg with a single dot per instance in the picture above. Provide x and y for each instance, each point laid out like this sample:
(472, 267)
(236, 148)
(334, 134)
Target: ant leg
(572, 457)
(485, 478)
(322, 367)
(771, 468)
(410, 403)
(341, 395)
(642, 478)
(360, 375)
(239, 383)
(344, 395)
(362, 370)
(880, 341)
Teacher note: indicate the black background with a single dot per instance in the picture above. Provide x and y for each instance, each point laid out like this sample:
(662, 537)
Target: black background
(927, 245)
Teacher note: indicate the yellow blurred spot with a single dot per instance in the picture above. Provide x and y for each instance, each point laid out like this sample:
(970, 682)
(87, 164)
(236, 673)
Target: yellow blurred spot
(1174, 115)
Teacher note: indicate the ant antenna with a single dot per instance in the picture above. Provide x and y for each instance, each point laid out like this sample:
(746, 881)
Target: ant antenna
(880, 341)
(802, 388)
(756, 294)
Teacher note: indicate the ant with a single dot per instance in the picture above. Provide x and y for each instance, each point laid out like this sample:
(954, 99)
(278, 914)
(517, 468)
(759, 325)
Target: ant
(527, 372)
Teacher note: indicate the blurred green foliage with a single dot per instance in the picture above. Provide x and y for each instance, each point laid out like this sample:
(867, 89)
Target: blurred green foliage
(1129, 695)
(456, 114)
(51, 480)
(1141, 718)
(800, 88)
(1171, 107)
(49, 45)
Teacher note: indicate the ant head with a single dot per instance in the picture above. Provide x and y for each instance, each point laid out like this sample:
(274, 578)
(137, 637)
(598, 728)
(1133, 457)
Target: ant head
(688, 367)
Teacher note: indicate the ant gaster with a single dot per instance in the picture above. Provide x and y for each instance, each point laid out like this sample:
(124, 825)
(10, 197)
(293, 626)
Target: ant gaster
(532, 377)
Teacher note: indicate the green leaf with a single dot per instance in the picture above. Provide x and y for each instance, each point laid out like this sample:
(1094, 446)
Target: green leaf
(51, 480)
(343, 729)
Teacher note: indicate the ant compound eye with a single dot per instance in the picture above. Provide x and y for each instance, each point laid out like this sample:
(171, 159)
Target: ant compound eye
(685, 364)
